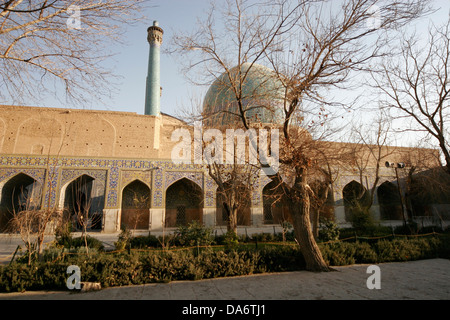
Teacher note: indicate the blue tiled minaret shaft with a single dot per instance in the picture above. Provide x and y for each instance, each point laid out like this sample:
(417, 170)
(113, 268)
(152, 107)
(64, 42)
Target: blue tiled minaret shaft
(153, 88)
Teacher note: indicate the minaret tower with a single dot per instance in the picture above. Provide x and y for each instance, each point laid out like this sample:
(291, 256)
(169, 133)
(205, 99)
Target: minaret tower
(153, 88)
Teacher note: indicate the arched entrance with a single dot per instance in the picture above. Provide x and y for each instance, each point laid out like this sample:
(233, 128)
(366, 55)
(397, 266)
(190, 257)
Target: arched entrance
(275, 207)
(20, 193)
(135, 206)
(390, 202)
(244, 200)
(184, 203)
(355, 197)
(82, 205)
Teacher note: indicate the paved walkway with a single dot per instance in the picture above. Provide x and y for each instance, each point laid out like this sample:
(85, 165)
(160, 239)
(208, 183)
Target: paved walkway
(425, 279)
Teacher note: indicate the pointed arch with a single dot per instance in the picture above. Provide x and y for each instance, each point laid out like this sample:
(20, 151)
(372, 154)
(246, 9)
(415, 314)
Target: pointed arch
(244, 210)
(80, 199)
(355, 197)
(177, 176)
(275, 206)
(18, 193)
(137, 179)
(184, 203)
(63, 190)
(135, 213)
(389, 201)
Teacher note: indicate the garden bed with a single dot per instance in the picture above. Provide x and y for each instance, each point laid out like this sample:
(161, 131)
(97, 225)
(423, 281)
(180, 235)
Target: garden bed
(133, 266)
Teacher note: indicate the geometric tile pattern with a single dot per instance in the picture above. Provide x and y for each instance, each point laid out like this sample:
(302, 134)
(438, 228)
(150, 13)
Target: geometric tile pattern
(116, 174)
(36, 174)
(172, 176)
(71, 174)
(128, 176)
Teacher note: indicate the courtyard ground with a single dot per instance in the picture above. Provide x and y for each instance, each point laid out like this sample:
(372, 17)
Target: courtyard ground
(415, 280)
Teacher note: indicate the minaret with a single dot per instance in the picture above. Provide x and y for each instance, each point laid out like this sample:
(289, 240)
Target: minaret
(153, 88)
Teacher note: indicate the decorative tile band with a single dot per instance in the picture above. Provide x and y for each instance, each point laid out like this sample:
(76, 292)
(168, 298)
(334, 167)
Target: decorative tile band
(36, 174)
(71, 174)
(117, 173)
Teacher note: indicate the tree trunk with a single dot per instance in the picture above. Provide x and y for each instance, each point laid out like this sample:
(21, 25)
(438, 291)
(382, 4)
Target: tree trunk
(231, 217)
(40, 244)
(300, 210)
(316, 218)
(233, 220)
(308, 246)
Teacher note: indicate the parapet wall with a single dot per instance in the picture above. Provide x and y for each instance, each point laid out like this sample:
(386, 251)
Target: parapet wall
(74, 132)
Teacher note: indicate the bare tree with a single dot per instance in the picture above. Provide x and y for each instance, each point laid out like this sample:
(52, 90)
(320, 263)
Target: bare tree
(30, 221)
(136, 203)
(425, 182)
(417, 86)
(312, 47)
(26, 219)
(46, 44)
(230, 167)
(234, 187)
(370, 152)
(82, 205)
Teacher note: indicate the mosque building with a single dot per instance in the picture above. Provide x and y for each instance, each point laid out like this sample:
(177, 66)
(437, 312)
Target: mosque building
(118, 165)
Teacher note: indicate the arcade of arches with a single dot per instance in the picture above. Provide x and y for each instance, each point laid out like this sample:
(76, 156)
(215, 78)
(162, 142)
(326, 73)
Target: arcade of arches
(184, 202)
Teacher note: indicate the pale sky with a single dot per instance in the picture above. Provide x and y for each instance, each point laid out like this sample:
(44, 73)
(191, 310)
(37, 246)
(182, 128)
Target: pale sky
(132, 60)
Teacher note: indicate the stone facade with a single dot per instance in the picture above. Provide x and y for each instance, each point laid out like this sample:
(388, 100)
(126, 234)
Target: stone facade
(52, 158)
(55, 147)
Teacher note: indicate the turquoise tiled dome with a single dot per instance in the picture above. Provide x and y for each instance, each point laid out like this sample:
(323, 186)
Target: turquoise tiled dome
(262, 97)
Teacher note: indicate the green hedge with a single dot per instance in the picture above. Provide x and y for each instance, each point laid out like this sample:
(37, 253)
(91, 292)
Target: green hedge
(127, 269)
(118, 269)
(345, 253)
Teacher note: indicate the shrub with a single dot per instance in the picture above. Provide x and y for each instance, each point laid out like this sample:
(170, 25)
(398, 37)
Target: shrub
(364, 253)
(114, 270)
(63, 234)
(362, 221)
(69, 242)
(123, 268)
(226, 264)
(161, 267)
(20, 277)
(124, 239)
(140, 242)
(264, 237)
(409, 249)
(280, 258)
(194, 234)
(338, 254)
(231, 240)
(346, 253)
(92, 243)
(329, 230)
